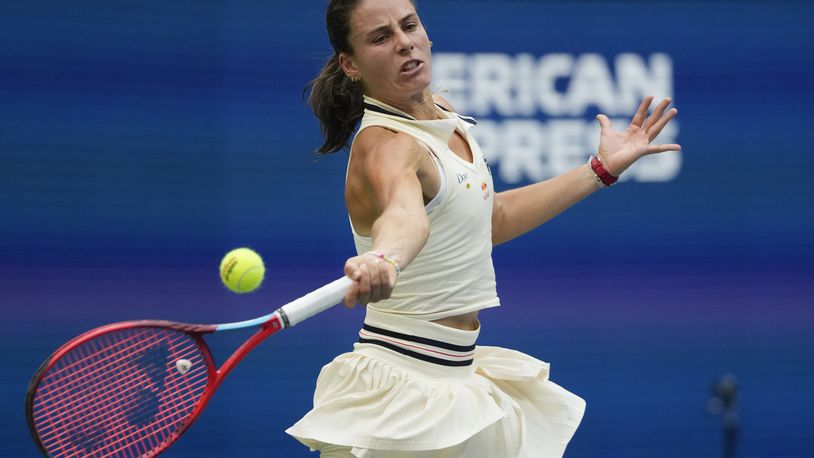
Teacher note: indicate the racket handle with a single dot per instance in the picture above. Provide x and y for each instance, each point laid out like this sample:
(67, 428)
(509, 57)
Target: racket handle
(316, 301)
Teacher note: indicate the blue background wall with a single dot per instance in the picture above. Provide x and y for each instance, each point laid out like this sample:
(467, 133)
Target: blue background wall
(140, 142)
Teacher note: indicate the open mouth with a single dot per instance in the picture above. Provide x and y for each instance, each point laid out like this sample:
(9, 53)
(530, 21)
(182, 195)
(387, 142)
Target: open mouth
(411, 66)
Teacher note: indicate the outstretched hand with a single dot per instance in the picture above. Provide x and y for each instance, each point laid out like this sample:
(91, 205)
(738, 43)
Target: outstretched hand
(618, 150)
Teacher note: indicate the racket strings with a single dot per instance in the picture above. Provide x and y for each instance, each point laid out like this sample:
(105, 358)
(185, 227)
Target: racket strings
(93, 374)
(125, 404)
(91, 418)
(119, 394)
(94, 367)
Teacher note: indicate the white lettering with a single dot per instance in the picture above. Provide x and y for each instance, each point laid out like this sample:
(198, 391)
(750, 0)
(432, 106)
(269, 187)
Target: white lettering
(524, 103)
(536, 114)
(492, 80)
(551, 68)
(523, 143)
(567, 146)
(532, 150)
(591, 85)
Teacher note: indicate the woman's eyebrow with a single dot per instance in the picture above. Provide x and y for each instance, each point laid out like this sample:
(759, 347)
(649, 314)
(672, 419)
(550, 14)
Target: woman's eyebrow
(385, 28)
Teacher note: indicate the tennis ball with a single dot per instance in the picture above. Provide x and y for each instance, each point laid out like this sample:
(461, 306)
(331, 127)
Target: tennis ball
(242, 270)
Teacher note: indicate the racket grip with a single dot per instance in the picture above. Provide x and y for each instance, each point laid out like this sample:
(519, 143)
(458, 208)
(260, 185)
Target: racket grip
(316, 301)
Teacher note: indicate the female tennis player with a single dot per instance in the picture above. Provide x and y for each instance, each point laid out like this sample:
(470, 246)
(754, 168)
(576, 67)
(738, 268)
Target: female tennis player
(424, 217)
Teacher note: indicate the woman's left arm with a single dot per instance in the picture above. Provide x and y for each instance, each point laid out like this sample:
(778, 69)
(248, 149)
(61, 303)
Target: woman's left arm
(520, 210)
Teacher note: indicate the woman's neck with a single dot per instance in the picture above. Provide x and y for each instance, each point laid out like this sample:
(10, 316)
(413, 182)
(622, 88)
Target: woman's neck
(420, 106)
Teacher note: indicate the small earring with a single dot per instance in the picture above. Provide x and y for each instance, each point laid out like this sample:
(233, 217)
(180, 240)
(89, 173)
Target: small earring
(430, 44)
(354, 79)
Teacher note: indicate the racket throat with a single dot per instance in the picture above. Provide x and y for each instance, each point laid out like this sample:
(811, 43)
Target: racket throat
(268, 328)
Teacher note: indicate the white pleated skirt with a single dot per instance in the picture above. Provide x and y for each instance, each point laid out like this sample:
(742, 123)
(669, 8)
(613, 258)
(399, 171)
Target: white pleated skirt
(417, 386)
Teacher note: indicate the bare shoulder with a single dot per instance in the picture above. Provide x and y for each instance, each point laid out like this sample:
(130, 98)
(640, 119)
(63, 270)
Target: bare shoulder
(443, 102)
(376, 144)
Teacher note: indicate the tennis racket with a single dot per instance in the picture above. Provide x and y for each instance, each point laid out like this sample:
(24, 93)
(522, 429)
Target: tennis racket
(131, 389)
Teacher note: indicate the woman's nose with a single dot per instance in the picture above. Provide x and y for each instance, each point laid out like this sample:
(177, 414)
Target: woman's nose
(403, 42)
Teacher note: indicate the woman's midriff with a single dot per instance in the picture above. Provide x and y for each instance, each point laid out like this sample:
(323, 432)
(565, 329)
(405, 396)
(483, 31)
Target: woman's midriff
(465, 322)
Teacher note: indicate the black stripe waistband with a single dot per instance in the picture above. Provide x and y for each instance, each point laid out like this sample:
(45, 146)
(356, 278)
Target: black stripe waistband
(421, 348)
(418, 339)
(416, 355)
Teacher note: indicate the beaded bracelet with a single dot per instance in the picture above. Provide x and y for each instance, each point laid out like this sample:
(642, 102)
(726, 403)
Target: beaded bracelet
(603, 178)
(386, 259)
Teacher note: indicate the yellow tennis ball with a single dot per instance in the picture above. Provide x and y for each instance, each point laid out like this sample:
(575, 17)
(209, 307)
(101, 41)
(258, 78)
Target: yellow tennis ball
(242, 270)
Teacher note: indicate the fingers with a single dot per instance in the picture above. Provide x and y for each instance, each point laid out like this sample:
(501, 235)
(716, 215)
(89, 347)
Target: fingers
(350, 299)
(654, 117)
(653, 149)
(371, 280)
(359, 292)
(384, 281)
(641, 113)
(604, 122)
(351, 270)
(363, 296)
(652, 124)
(655, 130)
(657, 120)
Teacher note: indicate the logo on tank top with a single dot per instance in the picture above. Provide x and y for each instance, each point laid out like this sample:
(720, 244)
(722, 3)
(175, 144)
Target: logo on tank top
(485, 188)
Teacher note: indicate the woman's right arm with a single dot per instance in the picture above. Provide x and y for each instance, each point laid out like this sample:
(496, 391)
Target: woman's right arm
(386, 167)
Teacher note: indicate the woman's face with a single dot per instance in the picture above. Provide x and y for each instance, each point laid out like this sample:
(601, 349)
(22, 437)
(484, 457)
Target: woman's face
(391, 51)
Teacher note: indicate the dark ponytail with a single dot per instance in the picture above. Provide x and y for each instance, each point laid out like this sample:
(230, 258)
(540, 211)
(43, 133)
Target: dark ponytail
(336, 100)
(338, 104)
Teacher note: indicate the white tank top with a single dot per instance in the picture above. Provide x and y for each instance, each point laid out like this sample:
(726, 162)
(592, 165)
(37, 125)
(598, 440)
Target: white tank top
(453, 273)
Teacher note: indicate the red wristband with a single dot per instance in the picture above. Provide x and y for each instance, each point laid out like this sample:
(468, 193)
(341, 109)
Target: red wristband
(603, 177)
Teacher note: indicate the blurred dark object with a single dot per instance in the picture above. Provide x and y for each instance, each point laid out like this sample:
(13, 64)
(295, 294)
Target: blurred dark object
(724, 401)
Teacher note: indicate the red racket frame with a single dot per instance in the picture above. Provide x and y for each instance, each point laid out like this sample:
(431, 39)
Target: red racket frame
(196, 331)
